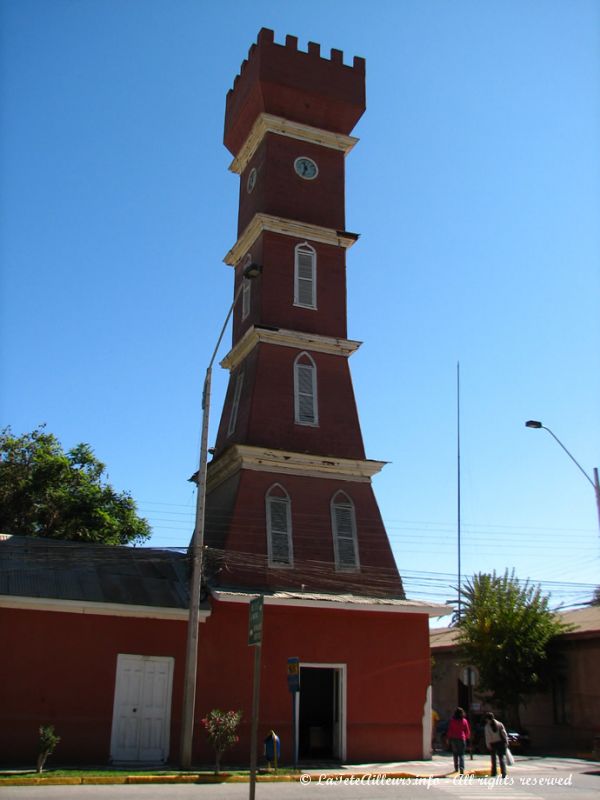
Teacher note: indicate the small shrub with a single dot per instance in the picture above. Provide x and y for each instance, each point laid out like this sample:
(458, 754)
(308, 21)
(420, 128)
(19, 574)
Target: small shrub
(47, 744)
(221, 730)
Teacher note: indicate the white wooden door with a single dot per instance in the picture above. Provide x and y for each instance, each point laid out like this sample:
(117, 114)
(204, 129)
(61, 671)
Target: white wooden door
(142, 709)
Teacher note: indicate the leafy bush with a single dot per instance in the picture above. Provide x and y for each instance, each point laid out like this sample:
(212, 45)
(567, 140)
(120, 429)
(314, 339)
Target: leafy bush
(221, 730)
(47, 744)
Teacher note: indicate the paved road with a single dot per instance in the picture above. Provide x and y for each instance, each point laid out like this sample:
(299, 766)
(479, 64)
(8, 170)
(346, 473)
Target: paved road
(529, 779)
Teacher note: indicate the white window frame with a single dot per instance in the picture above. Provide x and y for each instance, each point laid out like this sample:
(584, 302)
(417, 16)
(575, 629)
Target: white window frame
(314, 422)
(277, 494)
(347, 503)
(246, 289)
(237, 393)
(305, 249)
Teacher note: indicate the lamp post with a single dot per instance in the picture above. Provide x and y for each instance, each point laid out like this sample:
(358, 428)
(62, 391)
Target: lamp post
(191, 656)
(534, 423)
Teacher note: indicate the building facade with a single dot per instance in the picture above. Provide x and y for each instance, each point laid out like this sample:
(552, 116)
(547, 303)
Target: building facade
(291, 512)
(561, 719)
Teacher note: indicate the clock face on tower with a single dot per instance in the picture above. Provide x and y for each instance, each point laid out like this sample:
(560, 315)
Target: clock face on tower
(306, 168)
(251, 180)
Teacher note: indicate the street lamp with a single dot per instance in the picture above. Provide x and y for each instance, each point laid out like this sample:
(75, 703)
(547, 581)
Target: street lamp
(191, 656)
(534, 423)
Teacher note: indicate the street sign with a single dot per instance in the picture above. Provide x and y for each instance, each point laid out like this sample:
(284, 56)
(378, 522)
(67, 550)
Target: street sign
(293, 674)
(255, 621)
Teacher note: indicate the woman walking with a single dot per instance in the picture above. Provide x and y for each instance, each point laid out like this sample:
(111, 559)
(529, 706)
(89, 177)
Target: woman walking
(459, 731)
(496, 740)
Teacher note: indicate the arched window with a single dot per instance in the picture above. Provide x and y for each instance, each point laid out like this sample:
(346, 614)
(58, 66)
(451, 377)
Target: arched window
(237, 393)
(305, 391)
(246, 288)
(343, 524)
(279, 527)
(305, 276)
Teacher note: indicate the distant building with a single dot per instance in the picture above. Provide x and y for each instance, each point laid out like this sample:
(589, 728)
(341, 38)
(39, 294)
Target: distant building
(563, 718)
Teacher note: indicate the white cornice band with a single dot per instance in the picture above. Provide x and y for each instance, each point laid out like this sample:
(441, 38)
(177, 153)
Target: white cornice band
(287, 227)
(269, 123)
(286, 338)
(284, 462)
(354, 603)
(101, 609)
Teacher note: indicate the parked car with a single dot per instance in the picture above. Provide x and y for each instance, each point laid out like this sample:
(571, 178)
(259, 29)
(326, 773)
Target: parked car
(518, 740)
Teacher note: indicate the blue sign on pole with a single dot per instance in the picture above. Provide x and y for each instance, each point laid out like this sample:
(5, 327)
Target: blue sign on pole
(293, 674)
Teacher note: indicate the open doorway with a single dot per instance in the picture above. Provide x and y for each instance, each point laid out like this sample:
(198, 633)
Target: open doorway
(321, 714)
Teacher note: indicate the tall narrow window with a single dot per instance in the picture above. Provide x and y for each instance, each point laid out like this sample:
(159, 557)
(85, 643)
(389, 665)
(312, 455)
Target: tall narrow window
(237, 393)
(343, 523)
(279, 527)
(305, 276)
(305, 391)
(246, 289)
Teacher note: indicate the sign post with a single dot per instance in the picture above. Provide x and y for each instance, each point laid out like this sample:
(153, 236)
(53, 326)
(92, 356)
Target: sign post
(255, 627)
(470, 677)
(293, 677)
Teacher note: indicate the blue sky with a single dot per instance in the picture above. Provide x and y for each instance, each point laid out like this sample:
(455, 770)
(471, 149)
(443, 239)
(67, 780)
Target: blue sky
(475, 188)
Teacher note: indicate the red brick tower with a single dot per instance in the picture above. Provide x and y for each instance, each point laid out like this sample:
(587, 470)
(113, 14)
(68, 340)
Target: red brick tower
(289, 497)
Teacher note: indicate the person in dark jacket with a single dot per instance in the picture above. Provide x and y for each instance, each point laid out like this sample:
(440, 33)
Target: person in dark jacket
(459, 732)
(496, 740)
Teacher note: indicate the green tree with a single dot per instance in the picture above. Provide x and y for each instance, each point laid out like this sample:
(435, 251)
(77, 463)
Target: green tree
(504, 630)
(47, 492)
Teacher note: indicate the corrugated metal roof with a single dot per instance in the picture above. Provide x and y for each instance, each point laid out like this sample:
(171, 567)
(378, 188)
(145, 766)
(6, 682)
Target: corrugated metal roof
(48, 568)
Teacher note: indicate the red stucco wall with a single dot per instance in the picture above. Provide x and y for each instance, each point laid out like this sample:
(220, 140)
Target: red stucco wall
(387, 658)
(266, 408)
(244, 561)
(280, 192)
(60, 668)
(272, 293)
(304, 87)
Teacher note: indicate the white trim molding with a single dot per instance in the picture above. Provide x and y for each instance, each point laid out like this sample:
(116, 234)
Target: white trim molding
(283, 462)
(101, 609)
(335, 602)
(286, 227)
(312, 342)
(269, 123)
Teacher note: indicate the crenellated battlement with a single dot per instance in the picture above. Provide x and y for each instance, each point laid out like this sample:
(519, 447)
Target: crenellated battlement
(301, 86)
(267, 37)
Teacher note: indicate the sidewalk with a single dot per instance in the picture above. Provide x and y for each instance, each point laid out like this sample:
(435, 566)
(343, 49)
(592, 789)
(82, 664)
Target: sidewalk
(439, 767)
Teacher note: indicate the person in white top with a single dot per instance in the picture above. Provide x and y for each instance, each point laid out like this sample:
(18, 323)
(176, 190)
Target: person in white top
(496, 740)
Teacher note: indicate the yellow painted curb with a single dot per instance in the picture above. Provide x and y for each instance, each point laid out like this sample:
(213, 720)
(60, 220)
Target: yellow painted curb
(224, 777)
(40, 782)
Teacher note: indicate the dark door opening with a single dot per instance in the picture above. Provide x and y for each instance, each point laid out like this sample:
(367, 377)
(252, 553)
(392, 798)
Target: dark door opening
(318, 721)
